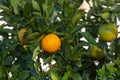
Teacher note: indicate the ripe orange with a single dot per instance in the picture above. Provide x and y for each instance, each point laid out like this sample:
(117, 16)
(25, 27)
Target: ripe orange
(108, 32)
(51, 43)
(96, 52)
(20, 36)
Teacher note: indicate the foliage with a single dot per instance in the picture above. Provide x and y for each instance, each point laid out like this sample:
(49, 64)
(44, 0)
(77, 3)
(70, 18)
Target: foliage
(61, 17)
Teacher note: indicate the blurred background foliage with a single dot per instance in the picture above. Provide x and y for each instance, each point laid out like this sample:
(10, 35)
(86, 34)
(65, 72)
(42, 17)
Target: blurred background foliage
(62, 17)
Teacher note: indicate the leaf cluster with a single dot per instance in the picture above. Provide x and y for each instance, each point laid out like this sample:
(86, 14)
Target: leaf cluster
(62, 17)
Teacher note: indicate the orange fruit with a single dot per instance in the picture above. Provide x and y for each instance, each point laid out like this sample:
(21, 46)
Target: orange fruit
(21, 38)
(96, 52)
(108, 32)
(51, 43)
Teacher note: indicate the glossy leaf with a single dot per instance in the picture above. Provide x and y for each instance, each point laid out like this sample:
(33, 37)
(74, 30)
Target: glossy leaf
(14, 4)
(77, 29)
(66, 76)
(89, 38)
(35, 5)
(36, 52)
(54, 76)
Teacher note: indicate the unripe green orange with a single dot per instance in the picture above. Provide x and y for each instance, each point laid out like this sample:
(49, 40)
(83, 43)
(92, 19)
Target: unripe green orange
(96, 52)
(108, 32)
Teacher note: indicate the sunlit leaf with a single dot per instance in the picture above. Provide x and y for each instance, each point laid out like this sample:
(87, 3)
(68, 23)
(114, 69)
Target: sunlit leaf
(54, 76)
(35, 5)
(66, 75)
(14, 4)
(36, 52)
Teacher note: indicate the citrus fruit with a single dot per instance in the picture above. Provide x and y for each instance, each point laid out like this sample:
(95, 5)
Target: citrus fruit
(51, 43)
(108, 32)
(105, 15)
(21, 38)
(96, 52)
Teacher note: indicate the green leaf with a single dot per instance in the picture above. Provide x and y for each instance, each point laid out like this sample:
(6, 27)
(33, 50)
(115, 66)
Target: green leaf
(78, 14)
(2, 73)
(45, 7)
(111, 2)
(107, 69)
(36, 52)
(88, 37)
(111, 68)
(36, 66)
(77, 29)
(66, 76)
(35, 5)
(27, 9)
(69, 68)
(79, 64)
(29, 1)
(5, 8)
(8, 60)
(7, 31)
(62, 18)
(41, 2)
(47, 12)
(32, 78)
(76, 76)
(48, 60)
(24, 75)
(54, 76)
(2, 26)
(69, 10)
(117, 60)
(14, 4)
(61, 2)
(37, 14)
(32, 35)
(15, 67)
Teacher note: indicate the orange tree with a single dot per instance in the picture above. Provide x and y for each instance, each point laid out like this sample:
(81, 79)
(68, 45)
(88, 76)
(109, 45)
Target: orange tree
(75, 58)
